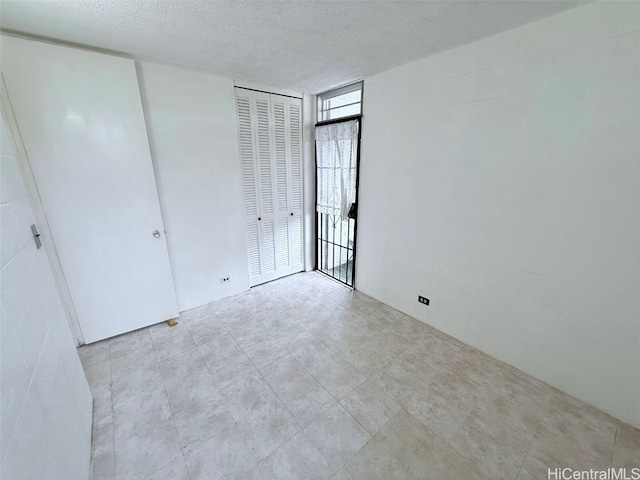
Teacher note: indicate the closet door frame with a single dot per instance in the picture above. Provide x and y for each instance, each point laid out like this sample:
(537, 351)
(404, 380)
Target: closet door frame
(265, 220)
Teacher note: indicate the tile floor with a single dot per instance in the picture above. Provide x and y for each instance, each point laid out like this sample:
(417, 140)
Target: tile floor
(304, 379)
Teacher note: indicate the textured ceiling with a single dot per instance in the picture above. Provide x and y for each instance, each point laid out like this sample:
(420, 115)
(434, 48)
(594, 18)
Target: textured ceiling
(307, 46)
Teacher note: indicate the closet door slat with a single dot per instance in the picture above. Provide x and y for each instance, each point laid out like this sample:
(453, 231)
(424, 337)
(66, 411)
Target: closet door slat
(247, 160)
(264, 156)
(295, 131)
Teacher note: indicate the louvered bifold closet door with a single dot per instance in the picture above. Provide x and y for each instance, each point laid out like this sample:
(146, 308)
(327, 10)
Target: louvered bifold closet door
(270, 149)
(244, 106)
(294, 144)
(282, 182)
(266, 217)
(254, 132)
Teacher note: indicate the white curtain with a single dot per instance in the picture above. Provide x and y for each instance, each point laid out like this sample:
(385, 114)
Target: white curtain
(336, 157)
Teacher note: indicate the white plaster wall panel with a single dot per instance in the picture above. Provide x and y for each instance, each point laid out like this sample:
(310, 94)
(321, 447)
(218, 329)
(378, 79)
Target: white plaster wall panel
(284, 45)
(13, 237)
(45, 402)
(193, 134)
(500, 179)
(309, 179)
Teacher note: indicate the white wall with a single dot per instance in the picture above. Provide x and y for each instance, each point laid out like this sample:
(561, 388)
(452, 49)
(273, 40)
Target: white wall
(309, 179)
(46, 405)
(502, 180)
(192, 127)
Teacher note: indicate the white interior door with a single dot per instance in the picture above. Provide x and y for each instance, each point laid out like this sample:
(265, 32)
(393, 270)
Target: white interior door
(81, 120)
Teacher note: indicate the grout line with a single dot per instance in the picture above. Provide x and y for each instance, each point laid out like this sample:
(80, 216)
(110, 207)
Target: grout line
(173, 422)
(615, 443)
(113, 414)
(279, 399)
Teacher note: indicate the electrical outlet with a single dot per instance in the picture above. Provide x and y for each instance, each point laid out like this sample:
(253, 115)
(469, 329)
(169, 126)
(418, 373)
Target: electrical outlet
(225, 279)
(423, 300)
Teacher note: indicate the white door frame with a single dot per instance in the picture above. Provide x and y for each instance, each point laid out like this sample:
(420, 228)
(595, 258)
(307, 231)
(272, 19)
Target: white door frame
(38, 210)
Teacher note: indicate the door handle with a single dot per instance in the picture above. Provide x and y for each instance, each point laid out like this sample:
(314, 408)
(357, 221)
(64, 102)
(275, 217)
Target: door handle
(36, 236)
(156, 234)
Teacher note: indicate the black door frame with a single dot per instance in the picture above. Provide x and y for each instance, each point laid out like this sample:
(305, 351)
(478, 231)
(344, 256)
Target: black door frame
(355, 227)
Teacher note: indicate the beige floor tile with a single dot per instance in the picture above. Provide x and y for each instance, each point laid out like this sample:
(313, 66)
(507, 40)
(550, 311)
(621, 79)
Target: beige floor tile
(514, 416)
(446, 402)
(225, 307)
(366, 359)
(126, 364)
(399, 385)
(137, 387)
(388, 343)
(245, 392)
(268, 426)
(104, 465)
(314, 356)
(533, 469)
(185, 365)
(297, 459)
(438, 409)
(266, 351)
(223, 454)
(248, 334)
(408, 328)
(98, 375)
(574, 435)
(102, 435)
(131, 343)
(432, 350)
(229, 368)
(170, 341)
(340, 379)
(148, 447)
(199, 423)
(422, 453)
(95, 353)
(306, 400)
(284, 373)
(218, 348)
(192, 392)
(176, 470)
(259, 413)
(627, 447)
(234, 318)
(196, 314)
(497, 457)
(407, 365)
(298, 338)
(102, 401)
(281, 322)
(145, 410)
(370, 467)
(206, 330)
(337, 435)
(370, 406)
